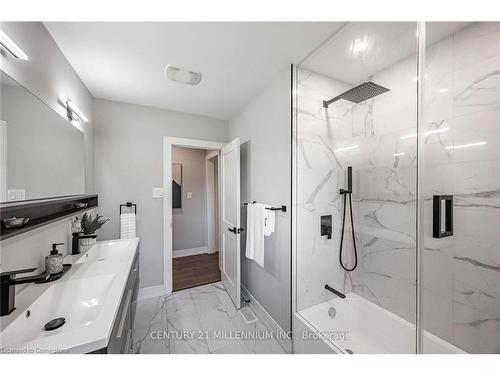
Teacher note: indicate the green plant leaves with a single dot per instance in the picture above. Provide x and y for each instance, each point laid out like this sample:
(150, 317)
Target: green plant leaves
(90, 225)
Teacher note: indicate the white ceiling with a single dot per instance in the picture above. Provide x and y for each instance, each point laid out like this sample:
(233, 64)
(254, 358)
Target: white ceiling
(125, 61)
(387, 43)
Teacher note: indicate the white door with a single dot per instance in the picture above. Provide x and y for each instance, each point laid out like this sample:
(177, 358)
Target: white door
(230, 228)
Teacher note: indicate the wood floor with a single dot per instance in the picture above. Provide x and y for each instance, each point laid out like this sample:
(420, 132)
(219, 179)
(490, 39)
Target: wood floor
(195, 270)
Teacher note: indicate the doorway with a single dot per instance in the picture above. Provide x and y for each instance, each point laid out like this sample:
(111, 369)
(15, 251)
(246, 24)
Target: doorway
(228, 203)
(195, 247)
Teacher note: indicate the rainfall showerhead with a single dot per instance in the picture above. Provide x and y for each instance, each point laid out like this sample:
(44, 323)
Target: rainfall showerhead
(358, 94)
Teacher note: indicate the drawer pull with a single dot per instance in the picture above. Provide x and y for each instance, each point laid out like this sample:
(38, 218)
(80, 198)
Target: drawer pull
(124, 314)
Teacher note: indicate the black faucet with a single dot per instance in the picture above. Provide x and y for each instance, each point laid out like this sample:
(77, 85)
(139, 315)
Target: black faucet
(75, 243)
(334, 291)
(7, 288)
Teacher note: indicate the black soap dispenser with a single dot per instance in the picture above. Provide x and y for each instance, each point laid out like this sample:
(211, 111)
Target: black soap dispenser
(54, 261)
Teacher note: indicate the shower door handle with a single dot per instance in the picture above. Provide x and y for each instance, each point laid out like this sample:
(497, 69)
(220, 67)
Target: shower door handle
(442, 216)
(233, 229)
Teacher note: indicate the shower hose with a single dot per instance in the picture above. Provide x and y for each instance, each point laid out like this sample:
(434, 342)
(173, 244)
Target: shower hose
(353, 235)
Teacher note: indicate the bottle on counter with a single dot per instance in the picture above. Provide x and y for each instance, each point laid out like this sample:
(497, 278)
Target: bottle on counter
(54, 261)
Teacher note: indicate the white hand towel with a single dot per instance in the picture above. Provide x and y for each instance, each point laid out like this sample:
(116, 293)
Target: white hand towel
(255, 233)
(269, 220)
(127, 225)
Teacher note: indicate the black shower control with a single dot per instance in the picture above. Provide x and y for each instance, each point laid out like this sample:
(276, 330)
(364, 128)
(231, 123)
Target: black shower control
(349, 183)
(326, 226)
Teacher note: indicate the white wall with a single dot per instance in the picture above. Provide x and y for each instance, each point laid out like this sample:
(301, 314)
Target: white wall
(129, 163)
(48, 75)
(264, 127)
(189, 223)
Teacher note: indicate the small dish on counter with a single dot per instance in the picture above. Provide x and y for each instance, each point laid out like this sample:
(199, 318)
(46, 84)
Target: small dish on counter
(15, 222)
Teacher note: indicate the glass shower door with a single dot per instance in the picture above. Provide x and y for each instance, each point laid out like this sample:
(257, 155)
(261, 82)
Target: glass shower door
(356, 106)
(461, 252)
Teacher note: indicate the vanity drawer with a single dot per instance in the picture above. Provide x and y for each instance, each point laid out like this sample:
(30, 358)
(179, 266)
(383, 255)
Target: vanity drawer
(121, 334)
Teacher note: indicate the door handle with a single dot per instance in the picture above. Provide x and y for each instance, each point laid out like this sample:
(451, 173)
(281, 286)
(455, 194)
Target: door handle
(442, 216)
(233, 229)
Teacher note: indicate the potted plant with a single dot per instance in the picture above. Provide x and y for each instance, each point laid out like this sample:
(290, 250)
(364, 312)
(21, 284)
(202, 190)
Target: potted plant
(89, 226)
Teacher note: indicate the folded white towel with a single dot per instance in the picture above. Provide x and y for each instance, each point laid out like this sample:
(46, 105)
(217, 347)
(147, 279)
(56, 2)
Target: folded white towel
(127, 225)
(269, 220)
(255, 233)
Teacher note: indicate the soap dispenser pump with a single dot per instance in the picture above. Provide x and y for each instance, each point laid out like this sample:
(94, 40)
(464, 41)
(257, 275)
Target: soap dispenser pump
(54, 261)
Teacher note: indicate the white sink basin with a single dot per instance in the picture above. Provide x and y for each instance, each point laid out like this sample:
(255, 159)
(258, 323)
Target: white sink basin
(112, 250)
(78, 301)
(88, 297)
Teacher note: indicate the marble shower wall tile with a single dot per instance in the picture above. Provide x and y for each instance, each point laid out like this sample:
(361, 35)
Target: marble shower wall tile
(384, 191)
(472, 175)
(461, 274)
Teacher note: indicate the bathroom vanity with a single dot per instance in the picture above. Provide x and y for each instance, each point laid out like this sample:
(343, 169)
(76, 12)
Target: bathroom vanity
(121, 334)
(96, 297)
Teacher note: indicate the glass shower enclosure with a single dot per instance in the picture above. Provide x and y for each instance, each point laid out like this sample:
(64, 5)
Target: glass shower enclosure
(396, 189)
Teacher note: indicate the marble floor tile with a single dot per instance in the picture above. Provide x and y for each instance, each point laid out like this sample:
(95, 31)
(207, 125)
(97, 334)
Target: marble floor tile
(218, 317)
(144, 342)
(198, 320)
(234, 348)
(150, 311)
(262, 342)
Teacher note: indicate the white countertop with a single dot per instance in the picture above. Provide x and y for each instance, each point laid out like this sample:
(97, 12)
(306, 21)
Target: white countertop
(87, 296)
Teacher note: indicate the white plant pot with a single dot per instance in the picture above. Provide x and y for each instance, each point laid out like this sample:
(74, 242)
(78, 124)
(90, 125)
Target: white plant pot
(87, 242)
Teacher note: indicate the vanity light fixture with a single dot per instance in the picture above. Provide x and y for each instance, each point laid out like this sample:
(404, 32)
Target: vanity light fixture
(72, 110)
(346, 148)
(12, 47)
(430, 132)
(466, 145)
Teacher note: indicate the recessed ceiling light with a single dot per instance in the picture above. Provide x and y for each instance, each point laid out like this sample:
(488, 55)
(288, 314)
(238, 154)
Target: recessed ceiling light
(182, 75)
(359, 45)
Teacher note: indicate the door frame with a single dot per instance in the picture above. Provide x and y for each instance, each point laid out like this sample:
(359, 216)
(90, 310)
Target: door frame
(168, 142)
(212, 207)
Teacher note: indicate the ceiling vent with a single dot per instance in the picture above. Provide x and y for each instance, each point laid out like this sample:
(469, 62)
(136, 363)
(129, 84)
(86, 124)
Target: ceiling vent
(182, 75)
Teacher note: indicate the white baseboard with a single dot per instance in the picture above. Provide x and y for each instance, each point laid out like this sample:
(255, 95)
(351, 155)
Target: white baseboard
(188, 252)
(151, 291)
(268, 320)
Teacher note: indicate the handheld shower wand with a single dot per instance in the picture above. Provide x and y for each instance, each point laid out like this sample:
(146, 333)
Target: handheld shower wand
(345, 193)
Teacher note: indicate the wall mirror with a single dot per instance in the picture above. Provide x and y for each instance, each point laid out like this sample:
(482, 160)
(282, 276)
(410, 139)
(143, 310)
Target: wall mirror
(41, 153)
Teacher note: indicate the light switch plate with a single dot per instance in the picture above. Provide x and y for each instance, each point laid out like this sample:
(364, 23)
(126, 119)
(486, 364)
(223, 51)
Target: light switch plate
(16, 195)
(189, 195)
(157, 192)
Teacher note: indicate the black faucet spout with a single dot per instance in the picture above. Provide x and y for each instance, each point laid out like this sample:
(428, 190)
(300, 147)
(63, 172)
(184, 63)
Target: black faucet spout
(75, 243)
(334, 291)
(7, 287)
